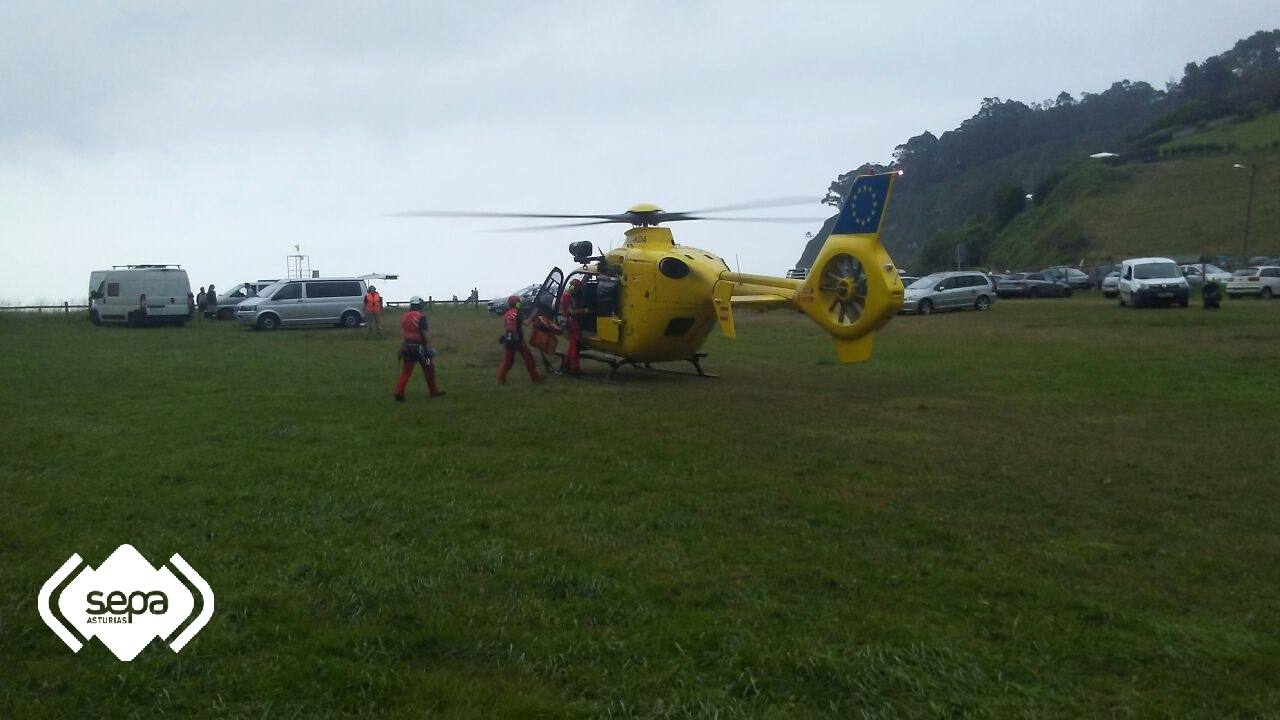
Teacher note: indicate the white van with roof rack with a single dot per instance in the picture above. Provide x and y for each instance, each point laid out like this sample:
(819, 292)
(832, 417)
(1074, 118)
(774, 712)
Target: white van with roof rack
(140, 295)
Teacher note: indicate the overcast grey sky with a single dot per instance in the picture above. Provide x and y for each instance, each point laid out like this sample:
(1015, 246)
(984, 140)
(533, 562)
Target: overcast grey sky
(218, 136)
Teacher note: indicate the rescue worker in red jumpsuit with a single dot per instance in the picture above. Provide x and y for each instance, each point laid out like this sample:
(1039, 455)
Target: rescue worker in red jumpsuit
(571, 312)
(513, 342)
(415, 349)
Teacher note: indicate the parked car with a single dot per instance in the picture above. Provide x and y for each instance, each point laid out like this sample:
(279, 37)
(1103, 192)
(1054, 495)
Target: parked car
(1213, 272)
(1152, 281)
(1261, 281)
(497, 306)
(228, 301)
(314, 301)
(1110, 285)
(907, 280)
(1030, 285)
(949, 291)
(1098, 273)
(1069, 276)
(140, 295)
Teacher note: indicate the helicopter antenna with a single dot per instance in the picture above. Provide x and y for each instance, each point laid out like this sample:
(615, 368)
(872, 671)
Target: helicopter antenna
(737, 263)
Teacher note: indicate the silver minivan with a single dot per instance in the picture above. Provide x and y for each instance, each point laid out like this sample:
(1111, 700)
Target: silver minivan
(949, 291)
(313, 301)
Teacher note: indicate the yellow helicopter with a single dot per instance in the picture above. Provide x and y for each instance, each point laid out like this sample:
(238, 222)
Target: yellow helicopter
(653, 301)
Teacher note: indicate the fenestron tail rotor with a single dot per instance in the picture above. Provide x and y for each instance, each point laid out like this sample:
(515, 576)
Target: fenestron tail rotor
(843, 289)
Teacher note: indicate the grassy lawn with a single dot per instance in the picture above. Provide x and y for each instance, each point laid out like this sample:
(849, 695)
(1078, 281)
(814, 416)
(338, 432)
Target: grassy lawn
(1056, 508)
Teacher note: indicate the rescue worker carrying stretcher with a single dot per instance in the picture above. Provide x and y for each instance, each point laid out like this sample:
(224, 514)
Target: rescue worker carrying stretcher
(415, 349)
(571, 312)
(513, 342)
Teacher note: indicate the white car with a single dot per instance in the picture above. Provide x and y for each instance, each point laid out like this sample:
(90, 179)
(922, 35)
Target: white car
(1110, 284)
(1263, 281)
(1152, 281)
(1212, 272)
(228, 301)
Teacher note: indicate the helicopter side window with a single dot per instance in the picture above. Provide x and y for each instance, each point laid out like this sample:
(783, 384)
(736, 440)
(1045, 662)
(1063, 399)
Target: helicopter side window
(606, 296)
(587, 300)
(673, 267)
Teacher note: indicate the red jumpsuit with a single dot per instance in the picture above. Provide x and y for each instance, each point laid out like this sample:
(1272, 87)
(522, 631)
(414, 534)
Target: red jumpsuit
(567, 306)
(414, 325)
(511, 321)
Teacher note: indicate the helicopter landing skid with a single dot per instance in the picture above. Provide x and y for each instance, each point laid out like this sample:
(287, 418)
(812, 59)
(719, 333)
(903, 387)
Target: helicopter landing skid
(695, 360)
(617, 362)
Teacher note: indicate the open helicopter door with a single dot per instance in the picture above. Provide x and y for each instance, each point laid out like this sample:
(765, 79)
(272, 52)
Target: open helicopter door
(547, 299)
(542, 316)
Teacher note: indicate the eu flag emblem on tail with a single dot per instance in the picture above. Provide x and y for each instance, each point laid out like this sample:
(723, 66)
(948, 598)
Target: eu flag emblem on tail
(864, 207)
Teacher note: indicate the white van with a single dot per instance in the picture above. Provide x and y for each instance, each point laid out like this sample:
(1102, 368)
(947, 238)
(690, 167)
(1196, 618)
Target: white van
(1152, 281)
(140, 295)
(310, 301)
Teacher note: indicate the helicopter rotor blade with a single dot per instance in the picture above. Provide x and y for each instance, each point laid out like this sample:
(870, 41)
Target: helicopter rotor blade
(757, 205)
(672, 217)
(468, 214)
(535, 228)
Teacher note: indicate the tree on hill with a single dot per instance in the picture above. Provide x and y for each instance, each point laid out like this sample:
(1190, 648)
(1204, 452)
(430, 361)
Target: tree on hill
(1009, 201)
(1011, 142)
(1244, 80)
(968, 246)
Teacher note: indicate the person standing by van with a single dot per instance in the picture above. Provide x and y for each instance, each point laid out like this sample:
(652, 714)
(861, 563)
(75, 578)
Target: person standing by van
(415, 349)
(373, 310)
(200, 297)
(211, 303)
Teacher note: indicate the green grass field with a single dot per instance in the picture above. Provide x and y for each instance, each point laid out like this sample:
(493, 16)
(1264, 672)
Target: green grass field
(1053, 509)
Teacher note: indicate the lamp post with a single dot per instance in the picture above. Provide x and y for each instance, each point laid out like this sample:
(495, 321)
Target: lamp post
(1248, 208)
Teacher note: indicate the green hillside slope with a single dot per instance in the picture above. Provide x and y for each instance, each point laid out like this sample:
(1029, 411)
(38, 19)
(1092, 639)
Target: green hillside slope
(960, 195)
(1177, 207)
(1255, 135)
(919, 210)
